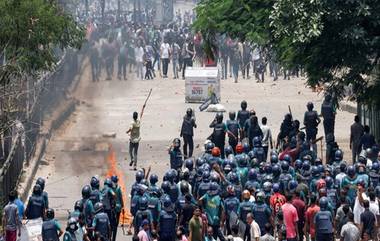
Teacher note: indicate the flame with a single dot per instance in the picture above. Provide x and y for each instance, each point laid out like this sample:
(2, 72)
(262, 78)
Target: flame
(126, 217)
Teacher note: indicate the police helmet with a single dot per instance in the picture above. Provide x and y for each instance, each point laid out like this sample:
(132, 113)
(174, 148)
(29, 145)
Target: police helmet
(276, 187)
(176, 142)
(323, 202)
(233, 178)
(310, 106)
(276, 170)
(37, 190)
(108, 182)
(98, 207)
(94, 182)
(306, 166)
(78, 205)
(287, 158)
(314, 171)
(184, 187)
(232, 115)
(318, 161)
(209, 147)
(375, 166)
(86, 191)
(167, 203)
(40, 181)
(343, 166)
(298, 164)
(114, 178)
(338, 155)
(214, 188)
(139, 176)
(72, 224)
(228, 150)
(214, 177)
(50, 213)
(267, 186)
(219, 117)
(153, 179)
(256, 141)
(189, 164)
(252, 174)
(260, 196)
(268, 168)
(285, 166)
(165, 186)
(206, 176)
(200, 161)
(351, 171)
(246, 147)
(215, 152)
(189, 112)
(292, 185)
(239, 148)
(243, 105)
(329, 182)
(273, 158)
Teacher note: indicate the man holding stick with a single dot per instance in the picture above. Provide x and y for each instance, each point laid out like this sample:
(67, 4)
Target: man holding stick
(134, 133)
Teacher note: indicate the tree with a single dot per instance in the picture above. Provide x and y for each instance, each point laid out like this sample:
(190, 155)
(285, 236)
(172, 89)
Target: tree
(336, 42)
(30, 32)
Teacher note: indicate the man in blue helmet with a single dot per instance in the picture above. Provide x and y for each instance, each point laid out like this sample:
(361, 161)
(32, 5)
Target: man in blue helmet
(231, 205)
(214, 209)
(324, 228)
(175, 154)
(218, 135)
(101, 223)
(109, 204)
(233, 129)
(119, 203)
(187, 132)
(138, 177)
(96, 194)
(262, 212)
(167, 220)
(349, 184)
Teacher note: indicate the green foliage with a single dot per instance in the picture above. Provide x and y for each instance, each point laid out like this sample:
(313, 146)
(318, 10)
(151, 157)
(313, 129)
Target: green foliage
(30, 31)
(336, 42)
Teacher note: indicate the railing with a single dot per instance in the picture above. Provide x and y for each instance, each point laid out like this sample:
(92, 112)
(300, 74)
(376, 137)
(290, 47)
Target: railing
(11, 170)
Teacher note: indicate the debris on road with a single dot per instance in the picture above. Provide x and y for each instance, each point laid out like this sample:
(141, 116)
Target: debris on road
(109, 135)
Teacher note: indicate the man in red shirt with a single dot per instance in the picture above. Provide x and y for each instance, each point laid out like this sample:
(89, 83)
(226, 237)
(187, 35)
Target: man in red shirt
(290, 219)
(309, 215)
(301, 208)
(277, 199)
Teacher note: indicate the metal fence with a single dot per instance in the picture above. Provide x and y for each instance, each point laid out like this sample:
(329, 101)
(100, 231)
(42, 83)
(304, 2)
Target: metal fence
(19, 148)
(11, 170)
(370, 116)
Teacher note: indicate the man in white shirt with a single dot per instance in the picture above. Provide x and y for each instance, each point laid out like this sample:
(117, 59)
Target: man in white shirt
(139, 55)
(165, 54)
(267, 136)
(254, 228)
(358, 206)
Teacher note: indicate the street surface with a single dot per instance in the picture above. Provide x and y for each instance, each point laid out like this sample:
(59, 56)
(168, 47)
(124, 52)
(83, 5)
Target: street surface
(79, 149)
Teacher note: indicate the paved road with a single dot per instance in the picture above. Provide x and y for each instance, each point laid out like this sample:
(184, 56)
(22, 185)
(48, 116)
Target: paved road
(78, 150)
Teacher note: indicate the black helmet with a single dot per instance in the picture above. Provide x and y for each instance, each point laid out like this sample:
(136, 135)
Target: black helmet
(232, 115)
(50, 213)
(184, 187)
(177, 142)
(40, 181)
(139, 176)
(78, 205)
(94, 182)
(114, 178)
(86, 191)
(219, 117)
(323, 202)
(108, 182)
(209, 146)
(189, 164)
(310, 105)
(98, 207)
(243, 105)
(72, 224)
(37, 190)
(153, 179)
(189, 112)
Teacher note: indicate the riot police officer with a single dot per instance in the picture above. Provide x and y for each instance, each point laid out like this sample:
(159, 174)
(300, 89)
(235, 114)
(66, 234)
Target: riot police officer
(119, 203)
(88, 207)
(101, 223)
(324, 222)
(95, 195)
(166, 227)
(51, 229)
(109, 204)
(219, 132)
(233, 129)
(311, 122)
(175, 154)
(40, 181)
(72, 227)
(36, 204)
(187, 132)
(328, 114)
(242, 117)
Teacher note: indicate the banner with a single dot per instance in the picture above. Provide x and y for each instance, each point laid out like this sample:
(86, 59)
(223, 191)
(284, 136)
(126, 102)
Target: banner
(200, 82)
